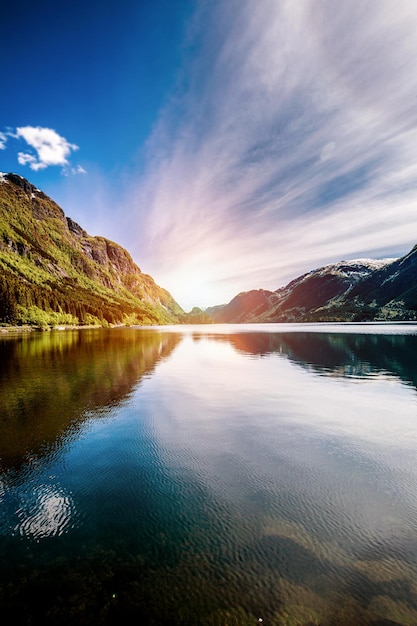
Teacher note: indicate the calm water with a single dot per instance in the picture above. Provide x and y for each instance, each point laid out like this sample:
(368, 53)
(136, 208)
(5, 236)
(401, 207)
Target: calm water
(209, 476)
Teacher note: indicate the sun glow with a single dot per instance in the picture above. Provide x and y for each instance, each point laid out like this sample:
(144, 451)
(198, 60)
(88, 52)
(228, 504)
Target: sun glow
(192, 287)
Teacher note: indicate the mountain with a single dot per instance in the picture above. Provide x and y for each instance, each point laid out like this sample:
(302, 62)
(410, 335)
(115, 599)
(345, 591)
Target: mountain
(53, 272)
(359, 290)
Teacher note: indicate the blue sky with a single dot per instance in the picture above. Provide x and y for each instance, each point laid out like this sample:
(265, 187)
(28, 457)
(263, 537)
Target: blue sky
(227, 144)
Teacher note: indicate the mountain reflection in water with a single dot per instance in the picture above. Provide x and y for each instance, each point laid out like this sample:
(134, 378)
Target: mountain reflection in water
(50, 381)
(209, 476)
(341, 354)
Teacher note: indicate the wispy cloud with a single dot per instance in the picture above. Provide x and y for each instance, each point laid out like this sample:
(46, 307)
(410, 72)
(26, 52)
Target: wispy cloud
(3, 140)
(289, 142)
(77, 170)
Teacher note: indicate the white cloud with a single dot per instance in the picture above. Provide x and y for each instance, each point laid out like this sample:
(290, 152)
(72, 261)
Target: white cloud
(51, 148)
(24, 158)
(290, 143)
(3, 140)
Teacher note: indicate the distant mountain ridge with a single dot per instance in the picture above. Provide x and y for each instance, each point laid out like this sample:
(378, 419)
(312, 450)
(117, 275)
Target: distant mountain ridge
(358, 290)
(53, 272)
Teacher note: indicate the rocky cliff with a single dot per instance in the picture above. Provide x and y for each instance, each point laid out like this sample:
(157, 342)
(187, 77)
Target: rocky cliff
(53, 271)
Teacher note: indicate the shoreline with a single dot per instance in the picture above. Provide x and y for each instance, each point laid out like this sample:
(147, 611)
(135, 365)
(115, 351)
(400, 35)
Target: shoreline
(27, 329)
(21, 330)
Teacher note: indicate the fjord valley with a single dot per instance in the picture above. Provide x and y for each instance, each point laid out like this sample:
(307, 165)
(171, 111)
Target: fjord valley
(53, 272)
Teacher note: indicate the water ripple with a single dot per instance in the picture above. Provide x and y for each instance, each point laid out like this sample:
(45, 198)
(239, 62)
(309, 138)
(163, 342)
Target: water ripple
(48, 513)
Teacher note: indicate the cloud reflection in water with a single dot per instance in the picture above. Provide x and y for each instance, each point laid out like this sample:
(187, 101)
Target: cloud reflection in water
(46, 512)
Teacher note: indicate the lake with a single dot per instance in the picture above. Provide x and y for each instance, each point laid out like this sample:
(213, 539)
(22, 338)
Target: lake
(209, 475)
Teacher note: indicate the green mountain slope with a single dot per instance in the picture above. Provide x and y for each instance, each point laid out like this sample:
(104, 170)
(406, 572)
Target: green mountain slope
(53, 272)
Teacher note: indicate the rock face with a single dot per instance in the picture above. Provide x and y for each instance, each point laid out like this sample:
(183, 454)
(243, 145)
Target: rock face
(49, 262)
(359, 290)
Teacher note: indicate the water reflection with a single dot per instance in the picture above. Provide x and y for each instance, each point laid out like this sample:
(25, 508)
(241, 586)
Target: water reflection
(46, 512)
(50, 381)
(335, 354)
(318, 462)
(240, 475)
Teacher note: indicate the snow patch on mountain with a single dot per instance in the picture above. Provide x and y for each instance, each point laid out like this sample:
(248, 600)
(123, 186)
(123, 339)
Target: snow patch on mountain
(354, 268)
(373, 264)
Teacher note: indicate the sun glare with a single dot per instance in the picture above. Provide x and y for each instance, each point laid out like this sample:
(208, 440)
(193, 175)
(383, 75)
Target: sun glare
(192, 288)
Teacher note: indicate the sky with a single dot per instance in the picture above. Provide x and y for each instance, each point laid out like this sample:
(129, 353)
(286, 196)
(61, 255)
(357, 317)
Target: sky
(228, 145)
